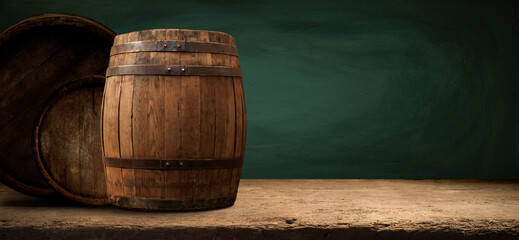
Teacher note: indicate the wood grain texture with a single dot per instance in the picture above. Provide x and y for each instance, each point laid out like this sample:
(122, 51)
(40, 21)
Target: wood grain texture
(174, 117)
(67, 141)
(190, 107)
(208, 117)
(39, 55)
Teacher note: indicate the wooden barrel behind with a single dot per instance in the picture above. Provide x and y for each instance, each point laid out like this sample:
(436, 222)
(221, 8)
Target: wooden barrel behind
(37, 56)
(173, 124)
(67, 141)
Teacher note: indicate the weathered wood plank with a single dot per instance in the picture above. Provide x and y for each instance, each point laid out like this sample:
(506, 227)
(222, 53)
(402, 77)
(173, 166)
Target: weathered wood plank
(173, 117)
(225, 118)
(140, 117)
(155, 143)
(111, 117)
(86, 157)
(140, 131)
(99, 183)
(156, 135)
(126, 132)
(207, 117)
(126, 117)
(240, 112)
(190, 108)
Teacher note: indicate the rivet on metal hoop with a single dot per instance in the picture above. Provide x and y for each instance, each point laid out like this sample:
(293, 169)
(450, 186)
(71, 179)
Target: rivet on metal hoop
(178, 46)
(165, 45)
(183, 69)
(181, 163)
(168, 69)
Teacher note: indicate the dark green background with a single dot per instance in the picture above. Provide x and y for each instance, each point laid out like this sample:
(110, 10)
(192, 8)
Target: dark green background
(354, 89)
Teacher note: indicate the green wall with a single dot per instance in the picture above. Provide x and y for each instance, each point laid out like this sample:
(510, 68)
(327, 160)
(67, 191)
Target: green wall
(354, 89)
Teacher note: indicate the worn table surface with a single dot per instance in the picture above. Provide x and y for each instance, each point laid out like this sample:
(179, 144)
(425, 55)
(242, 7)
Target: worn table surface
(324, 208)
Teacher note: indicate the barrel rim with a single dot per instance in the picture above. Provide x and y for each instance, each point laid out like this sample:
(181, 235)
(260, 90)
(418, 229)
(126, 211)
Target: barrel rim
(179, 29)
(55, 19)
(91, 80)
(27, 24)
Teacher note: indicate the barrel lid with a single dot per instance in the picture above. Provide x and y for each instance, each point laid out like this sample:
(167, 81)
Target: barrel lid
(38, 55)
(67, 142)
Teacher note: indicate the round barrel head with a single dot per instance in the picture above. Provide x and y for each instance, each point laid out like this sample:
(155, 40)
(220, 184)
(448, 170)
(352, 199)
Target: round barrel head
(67, 142)
(38, 55)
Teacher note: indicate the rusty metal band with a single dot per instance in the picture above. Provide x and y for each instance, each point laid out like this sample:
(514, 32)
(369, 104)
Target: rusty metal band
(172, 163)
(151, 204)
(173, 70)
(174, 46)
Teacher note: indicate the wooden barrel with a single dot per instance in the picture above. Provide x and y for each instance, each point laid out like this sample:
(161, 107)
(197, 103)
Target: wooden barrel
(37, 56)
(67, 141)
(173, 124)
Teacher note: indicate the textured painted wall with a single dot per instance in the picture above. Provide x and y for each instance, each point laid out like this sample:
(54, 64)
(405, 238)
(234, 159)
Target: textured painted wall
(354, 89)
